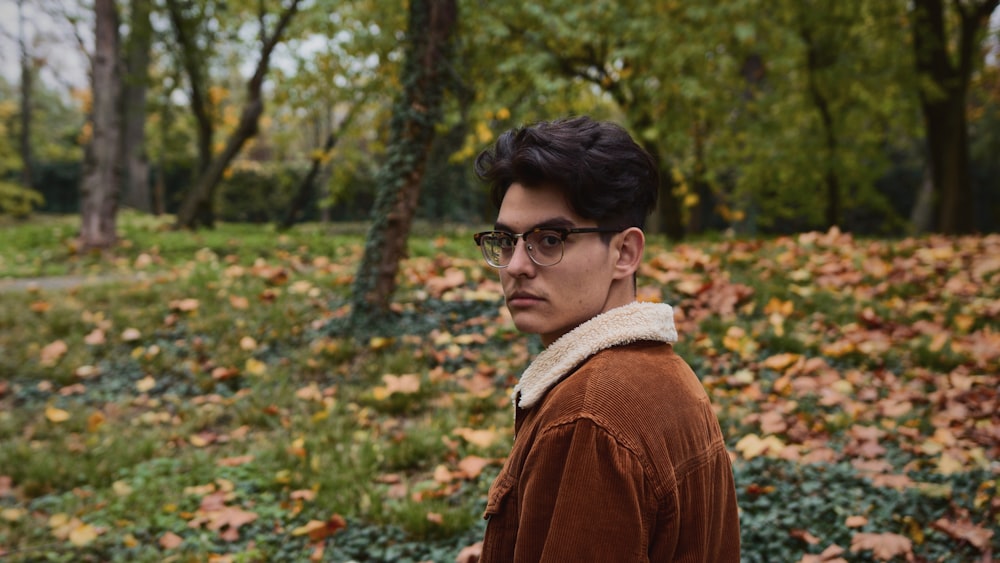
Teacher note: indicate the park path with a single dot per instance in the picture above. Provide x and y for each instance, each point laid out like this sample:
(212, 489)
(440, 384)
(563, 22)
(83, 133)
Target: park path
(58, 283)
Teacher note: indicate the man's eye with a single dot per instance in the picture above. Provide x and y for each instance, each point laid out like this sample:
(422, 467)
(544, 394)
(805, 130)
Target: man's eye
(549, 239)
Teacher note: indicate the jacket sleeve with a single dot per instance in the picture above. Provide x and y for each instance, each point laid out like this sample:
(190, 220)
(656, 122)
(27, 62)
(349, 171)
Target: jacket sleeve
(585, 497)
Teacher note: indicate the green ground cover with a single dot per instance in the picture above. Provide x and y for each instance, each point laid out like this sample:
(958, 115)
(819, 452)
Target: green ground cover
(203, 403)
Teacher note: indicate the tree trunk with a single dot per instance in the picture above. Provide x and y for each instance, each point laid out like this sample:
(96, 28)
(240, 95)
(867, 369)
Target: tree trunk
(430, 28)
(194, 63)
(26, 78)
(308, 185)
(136, 178)
(197, 209)
(944, 104)
(101, 182)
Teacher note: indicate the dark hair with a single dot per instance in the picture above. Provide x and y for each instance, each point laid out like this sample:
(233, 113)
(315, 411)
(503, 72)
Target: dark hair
(604, 174)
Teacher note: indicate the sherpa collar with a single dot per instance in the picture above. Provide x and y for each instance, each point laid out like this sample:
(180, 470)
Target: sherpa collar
(630, 323)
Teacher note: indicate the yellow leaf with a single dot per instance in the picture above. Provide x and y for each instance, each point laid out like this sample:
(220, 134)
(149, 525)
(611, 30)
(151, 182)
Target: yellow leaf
(83, 535)
(752, 445)
(948, 465)
(121, 488)
(309, 527)
(379, 342)
(56, 415)
(12, 514)
(406, 384)
(481, 438)
(145, 384)
(95, 421)
(781, 362)
(255, 367)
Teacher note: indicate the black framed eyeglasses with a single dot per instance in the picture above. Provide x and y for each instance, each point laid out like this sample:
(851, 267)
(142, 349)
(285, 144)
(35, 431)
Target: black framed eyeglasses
(545, 245)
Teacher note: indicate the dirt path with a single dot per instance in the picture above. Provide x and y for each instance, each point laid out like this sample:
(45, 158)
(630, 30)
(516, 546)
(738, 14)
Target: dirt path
(58, 283)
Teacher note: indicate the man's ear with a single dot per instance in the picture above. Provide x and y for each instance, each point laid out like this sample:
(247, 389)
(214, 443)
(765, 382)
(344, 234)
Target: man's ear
(632, 243)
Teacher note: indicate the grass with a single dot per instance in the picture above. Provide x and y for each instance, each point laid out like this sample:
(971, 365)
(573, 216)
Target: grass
(210, 369)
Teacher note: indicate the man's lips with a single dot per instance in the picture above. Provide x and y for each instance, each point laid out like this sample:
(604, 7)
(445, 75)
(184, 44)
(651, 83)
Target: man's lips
(522, 299)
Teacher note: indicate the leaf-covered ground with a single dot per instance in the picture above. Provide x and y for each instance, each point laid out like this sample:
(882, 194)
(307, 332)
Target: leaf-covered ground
(207, 405)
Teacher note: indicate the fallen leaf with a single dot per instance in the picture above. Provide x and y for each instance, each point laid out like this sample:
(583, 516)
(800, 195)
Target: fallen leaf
(83, 534)
(435, 518)
(856, 521)
(131, 334)
(146, 384)
(481, 438)
(185, 305)
(965, 530)
(235, 461)
(883, 546)
(255, 367)
(451, 279)
(318, 530)
(52, 353)
(406, 384)
(170, 540)
(12, 514)
(470, 553)
(56, 415)
(95, 337)
(471, 466)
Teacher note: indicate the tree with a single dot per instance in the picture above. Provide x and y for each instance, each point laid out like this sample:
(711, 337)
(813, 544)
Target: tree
(196, 209)
(946, 57)
(102, 177)
(136, 58)
(26, 110)
(307, 187)
(416, 112)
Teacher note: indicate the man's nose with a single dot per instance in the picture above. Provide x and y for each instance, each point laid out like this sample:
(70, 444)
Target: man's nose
(520, 262)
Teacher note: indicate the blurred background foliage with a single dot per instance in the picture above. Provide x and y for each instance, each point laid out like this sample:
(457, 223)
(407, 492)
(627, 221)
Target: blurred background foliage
(767, 117)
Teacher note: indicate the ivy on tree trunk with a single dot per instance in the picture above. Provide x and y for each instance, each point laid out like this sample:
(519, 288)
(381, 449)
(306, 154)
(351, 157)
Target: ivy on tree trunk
(415, 113)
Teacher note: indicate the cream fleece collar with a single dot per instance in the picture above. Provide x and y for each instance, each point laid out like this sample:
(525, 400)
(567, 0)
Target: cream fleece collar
(623, 325)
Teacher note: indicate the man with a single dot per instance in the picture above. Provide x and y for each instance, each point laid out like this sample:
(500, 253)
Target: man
(617, 455)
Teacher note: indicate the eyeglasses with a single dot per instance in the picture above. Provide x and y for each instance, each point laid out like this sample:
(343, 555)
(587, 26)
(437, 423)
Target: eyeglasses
(545, 246)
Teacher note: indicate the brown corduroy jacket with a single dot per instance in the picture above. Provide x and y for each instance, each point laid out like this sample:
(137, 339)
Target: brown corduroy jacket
(618, 458)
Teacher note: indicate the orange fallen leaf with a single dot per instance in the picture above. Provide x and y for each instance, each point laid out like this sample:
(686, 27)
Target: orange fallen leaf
(52, 353)
(96, 337)
(435, 517)
(170, 540)
(471, 466)
(185, 305)
(318, 530)
(56, 415)
(235, 461)
(883, 546)
(481, 438)
(965, 530)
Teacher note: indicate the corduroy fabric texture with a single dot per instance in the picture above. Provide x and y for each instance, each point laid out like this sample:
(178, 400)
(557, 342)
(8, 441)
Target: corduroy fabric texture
(618, 458)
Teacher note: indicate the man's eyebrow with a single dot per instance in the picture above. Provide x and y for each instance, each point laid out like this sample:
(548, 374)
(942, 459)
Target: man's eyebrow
(553, 223)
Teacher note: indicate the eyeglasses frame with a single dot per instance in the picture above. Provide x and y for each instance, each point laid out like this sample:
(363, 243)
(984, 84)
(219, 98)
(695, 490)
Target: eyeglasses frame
(563, 233)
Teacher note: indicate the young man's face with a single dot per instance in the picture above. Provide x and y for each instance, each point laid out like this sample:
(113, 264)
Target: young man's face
(552, 300)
